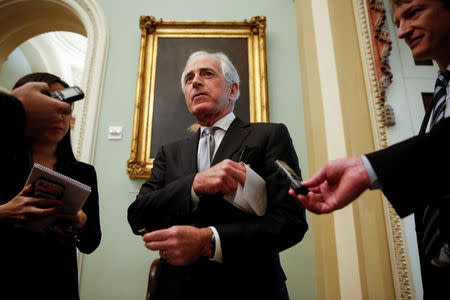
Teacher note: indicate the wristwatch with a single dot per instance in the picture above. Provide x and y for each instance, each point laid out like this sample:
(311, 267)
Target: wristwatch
(212, 246)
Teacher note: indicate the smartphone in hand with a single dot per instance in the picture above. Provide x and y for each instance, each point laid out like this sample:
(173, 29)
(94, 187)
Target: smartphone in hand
(292, 177)
(69, 94)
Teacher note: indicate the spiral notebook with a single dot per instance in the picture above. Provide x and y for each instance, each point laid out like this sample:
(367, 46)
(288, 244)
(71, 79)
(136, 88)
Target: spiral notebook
(73, 198)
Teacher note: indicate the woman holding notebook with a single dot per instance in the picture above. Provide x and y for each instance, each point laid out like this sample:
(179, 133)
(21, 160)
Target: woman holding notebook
(42, 264)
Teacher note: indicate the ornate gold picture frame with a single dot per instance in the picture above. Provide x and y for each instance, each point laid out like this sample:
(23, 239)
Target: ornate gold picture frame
(160, 113)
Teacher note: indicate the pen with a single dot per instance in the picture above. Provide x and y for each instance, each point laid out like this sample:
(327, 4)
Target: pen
(242, 153)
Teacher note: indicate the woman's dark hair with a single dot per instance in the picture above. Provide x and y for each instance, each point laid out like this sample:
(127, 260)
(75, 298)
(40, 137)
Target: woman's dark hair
(40, 77)
(64, 151)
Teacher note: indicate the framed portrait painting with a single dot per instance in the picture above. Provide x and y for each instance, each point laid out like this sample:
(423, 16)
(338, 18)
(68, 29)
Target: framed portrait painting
(160, 114)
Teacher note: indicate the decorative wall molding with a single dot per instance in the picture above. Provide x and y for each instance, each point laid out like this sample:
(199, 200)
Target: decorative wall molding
(97, 32)
(375, 48)
(58, 16)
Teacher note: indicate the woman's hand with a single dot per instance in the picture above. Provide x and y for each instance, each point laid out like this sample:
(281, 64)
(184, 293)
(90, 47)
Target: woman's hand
(73, 224)
(24, 208)
(80, 219)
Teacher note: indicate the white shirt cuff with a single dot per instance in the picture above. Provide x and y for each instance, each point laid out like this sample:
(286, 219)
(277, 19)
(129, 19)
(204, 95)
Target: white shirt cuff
(195, 199)
(374, 182)
(218, 253)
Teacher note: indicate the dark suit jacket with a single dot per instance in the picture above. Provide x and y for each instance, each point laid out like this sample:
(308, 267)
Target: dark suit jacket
(13, 119)
(412, 174)
(250, 244)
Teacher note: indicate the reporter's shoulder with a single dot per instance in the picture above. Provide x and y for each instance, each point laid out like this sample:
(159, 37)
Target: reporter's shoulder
(179, 142)
(6, 96)
(81, 166)
(444, 124)
(3, 90)
(84, 173)
(10, 104)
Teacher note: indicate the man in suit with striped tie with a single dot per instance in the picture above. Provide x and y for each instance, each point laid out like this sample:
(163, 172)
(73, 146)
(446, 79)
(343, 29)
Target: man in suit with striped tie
(412, 174)
(211, 248)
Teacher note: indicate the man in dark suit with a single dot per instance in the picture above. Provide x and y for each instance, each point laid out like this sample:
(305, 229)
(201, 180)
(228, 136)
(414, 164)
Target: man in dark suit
(413, 174)
(210, 248)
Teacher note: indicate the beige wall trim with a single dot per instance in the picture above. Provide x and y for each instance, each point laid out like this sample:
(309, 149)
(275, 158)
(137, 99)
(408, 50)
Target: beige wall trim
(344, 238)
(346, 244)
(97, 32)
(334, 130)
(338, 124)
(402, 276)
(322, 226)
(368, 218)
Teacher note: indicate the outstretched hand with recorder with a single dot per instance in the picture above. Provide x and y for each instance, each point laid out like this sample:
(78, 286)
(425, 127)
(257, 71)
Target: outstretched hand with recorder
(335, 185)
(295, 181)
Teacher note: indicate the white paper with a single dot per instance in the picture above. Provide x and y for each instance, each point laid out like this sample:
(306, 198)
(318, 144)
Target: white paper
(252, 197)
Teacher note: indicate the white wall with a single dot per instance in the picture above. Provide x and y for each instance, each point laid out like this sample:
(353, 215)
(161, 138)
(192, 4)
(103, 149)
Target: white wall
(14, 68)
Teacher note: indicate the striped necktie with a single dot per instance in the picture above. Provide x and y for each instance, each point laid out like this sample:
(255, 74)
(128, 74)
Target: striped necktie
(206, 148)
(439, 97)
(432, 238)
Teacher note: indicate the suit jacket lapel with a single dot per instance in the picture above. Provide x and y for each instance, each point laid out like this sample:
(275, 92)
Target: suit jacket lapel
(190, 148)
(427, 116)
(234, 137)
(425, 120)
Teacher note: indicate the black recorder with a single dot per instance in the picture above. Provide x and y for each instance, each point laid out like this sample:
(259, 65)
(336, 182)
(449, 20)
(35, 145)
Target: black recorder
(69, 94)
(294, 179)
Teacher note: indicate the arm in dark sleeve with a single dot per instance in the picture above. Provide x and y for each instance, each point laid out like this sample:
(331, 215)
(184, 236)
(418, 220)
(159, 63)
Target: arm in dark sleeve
(161, 202)
(12, 117)
(90, 237)
(410, 172)
(284, 223)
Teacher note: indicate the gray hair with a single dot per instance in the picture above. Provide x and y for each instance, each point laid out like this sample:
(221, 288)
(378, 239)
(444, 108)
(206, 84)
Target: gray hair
(228, 70)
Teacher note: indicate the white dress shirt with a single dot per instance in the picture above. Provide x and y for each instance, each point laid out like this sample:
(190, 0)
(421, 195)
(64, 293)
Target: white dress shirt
(223, 124)
(253, 186)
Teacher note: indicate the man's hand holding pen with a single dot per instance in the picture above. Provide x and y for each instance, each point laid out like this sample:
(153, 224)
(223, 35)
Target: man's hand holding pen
(241, 156)
(220, 178)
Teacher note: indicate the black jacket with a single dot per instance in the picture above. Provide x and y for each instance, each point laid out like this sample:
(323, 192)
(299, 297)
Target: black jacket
(412, 174)
(250, 244)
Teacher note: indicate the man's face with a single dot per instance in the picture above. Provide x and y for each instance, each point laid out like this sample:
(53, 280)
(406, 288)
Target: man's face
(208, 95)
(425, 27)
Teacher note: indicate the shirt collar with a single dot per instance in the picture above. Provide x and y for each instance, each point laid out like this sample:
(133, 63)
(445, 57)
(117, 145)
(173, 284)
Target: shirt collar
(448, 69)
(223, 123)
